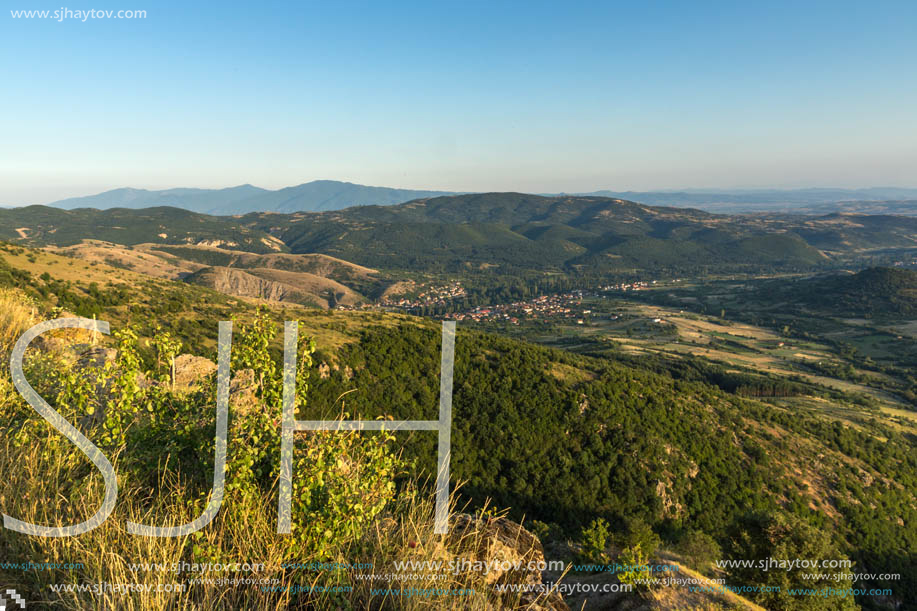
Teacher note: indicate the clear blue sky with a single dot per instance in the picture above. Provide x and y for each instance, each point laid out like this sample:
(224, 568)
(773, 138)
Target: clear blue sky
(464, 96)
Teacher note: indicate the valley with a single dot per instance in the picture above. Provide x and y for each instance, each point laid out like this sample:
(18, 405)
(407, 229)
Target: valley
(611, 363)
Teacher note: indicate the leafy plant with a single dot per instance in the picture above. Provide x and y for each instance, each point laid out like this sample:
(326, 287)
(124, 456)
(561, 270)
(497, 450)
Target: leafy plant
(637, 533)
(167, 347)
(595, 541)
(636, 571)
(342, 481)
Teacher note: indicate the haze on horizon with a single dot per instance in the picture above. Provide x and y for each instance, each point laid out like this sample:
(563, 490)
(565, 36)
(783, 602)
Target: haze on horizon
(471, 97)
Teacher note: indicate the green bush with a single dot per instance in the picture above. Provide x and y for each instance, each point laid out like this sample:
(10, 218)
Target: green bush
(636, 572)
(638, 533)
(594, 542)
(700, 549)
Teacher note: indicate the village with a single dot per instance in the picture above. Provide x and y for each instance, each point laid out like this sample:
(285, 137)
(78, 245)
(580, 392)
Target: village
(565, 305)
(560, 305)
(429, 296)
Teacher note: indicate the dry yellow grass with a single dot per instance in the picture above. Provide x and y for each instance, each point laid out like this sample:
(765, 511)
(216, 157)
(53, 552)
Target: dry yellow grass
(61, 267)
(94, 251)
(17, 314)
(109, 555)
(570, 374)
(672, 599)
(106, 556)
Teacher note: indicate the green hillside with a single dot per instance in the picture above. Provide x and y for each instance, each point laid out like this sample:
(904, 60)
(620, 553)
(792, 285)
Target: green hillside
(581, 234)
(566, 438)
(877, 291)
(494, 233)
(42, 225)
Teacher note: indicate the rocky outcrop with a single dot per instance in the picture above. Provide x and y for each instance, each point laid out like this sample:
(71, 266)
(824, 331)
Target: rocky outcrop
(242, 389)
(276, 285)
(190, 370)
(242, 284)
(94, 356)
(503, 545)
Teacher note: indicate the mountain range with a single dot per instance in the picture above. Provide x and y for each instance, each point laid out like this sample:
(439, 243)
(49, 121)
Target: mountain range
(492, 233)
(328, 195)
(314, 196)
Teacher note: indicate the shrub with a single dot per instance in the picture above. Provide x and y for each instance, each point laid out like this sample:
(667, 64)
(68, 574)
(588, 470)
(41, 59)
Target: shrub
(161, 444)
(636, 571)
(594, 542)
(638, 533)
(778, 535)
(700, 549)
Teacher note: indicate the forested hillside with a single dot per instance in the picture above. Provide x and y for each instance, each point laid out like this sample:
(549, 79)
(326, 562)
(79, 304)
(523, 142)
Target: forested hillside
(597, 234)
(877, 291)
(496, 234)
(565, 439)
(41, 225)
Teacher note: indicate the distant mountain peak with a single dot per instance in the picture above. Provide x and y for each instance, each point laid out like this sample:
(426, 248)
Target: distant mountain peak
(314, 196)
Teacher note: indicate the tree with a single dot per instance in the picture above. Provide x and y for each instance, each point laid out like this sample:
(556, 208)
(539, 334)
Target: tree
(636, 570)
(700, 549)
(595, 540)
(780, 536)
(639, 533)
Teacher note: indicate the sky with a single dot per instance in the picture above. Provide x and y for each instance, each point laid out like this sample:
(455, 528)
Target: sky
(464, 96)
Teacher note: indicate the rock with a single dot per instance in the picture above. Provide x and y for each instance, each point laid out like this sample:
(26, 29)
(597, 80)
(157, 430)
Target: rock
(190, 369)
(242, 391)
(96, 356)
(146, 383)
(503, 544)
